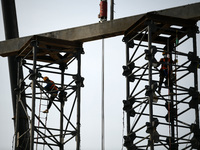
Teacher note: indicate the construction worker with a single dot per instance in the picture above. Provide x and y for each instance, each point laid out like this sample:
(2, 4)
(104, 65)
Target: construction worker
(52, 90)
(164, 70)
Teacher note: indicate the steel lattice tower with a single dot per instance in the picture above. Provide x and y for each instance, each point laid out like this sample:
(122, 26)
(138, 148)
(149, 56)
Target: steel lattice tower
(53, 58)
(168, 119)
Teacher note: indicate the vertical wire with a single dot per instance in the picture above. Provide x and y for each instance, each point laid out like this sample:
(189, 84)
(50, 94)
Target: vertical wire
(102, 105)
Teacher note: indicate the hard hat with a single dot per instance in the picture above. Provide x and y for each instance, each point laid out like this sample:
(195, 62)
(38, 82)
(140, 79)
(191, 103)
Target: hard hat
(45, 78)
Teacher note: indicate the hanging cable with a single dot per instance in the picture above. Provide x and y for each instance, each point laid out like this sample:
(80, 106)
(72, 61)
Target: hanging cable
(102, 104)
(103, 17)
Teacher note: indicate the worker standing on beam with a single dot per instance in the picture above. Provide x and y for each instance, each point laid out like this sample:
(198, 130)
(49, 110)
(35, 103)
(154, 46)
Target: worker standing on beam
(52, 89)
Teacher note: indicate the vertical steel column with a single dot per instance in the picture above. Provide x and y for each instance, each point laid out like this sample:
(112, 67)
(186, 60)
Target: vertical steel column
(150, 83)
(111, 9)
(172, 119)
(35, 49)
(78, 138)
(196, 77)
(17, 104)
(127, 89)
(62, 67)
(11, 31)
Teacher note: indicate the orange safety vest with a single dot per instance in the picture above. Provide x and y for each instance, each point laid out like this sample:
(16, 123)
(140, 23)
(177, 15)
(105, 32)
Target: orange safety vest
(51, 86)
(165, 62)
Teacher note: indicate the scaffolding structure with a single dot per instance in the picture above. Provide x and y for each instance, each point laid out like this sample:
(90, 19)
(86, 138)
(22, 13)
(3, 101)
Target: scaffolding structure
(39, 57)
(166, 119)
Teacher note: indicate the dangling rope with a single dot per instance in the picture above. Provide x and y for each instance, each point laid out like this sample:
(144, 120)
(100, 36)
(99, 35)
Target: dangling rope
(102, 104)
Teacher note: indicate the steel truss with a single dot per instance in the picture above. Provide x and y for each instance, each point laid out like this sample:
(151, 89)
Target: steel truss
(168, 119)
(49, 57)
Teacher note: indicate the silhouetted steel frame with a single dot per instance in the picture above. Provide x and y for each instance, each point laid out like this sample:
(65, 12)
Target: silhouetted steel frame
(130, 129)
(150, 84)
(128, 94)
(20, 90)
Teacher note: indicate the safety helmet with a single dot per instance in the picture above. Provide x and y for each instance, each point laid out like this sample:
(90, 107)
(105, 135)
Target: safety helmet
(45, 78)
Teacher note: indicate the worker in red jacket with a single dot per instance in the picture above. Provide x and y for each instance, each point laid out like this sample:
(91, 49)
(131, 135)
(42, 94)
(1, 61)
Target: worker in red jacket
(164, 70)
(52, 89)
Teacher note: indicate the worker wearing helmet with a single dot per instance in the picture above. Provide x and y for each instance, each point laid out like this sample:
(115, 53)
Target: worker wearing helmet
(52, 89)
(164, 70)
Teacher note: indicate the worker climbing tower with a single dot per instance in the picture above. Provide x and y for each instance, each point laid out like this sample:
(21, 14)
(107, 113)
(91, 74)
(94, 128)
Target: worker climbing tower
(166, 118)
(60, 60)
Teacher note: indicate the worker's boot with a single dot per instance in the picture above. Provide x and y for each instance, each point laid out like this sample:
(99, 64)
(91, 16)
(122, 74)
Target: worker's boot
(46, 111)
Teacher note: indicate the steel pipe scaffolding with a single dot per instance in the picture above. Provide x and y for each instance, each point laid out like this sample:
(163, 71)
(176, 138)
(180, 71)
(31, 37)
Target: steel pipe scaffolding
(156, 119)
(40, 57)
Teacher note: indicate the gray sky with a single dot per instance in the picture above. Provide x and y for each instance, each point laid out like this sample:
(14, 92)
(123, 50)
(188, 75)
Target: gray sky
(38, 16)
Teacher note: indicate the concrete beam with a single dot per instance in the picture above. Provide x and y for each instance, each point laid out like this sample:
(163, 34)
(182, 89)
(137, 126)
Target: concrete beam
(100, 30)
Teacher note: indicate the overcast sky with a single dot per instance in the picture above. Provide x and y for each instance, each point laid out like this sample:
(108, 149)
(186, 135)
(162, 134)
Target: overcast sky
(40, 16)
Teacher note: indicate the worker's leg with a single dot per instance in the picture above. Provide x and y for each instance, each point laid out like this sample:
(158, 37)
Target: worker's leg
(161, 80)
(50, 102)
(53, 96)
(166, 77)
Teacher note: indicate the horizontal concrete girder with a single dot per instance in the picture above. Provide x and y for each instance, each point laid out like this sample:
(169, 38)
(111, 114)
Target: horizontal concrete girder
(100, 30)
